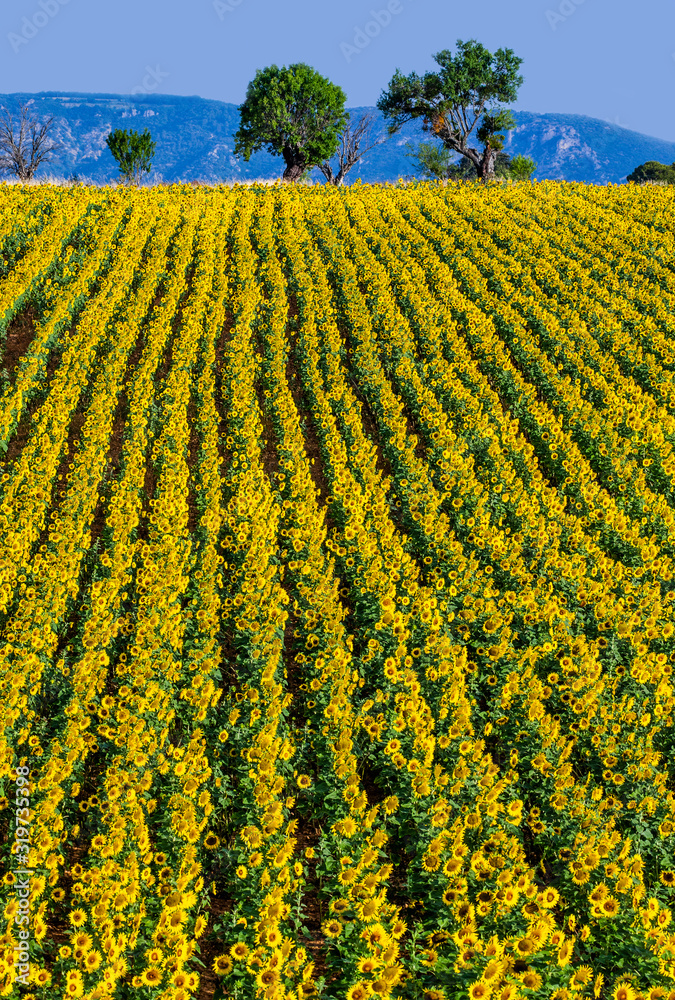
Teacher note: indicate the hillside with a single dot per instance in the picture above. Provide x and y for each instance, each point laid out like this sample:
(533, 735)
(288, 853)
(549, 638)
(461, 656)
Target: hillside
(194, 141)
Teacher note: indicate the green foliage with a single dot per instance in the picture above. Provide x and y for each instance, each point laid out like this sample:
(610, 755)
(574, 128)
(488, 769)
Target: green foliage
(293, 112)
(460, 97)
(522, 168)
(652, 170)
(434, 162)
(469, 81)
(430, 160)
(133, 152)
(490, 130)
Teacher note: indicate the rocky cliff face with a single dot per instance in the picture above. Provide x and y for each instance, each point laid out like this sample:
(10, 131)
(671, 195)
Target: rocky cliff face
(195, 141)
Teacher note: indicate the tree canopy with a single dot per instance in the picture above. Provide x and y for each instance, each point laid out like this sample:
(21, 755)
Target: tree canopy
(133, 152)
(652, 170)
(293, 112)
(462, 97)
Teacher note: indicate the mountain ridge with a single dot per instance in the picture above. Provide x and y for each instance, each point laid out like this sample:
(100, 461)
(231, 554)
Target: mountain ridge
(194, 137)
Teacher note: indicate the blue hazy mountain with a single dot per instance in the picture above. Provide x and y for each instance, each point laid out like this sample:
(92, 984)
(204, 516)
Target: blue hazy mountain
(195, 142)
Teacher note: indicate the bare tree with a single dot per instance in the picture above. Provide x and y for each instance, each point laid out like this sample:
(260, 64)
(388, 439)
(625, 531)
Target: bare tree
(26, 144)
(355, 141)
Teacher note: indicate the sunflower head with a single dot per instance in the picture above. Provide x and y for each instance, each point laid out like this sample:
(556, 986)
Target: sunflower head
(222, 965)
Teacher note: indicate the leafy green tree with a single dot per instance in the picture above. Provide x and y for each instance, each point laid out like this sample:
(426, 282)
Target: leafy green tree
(294, 112)
(435, 161)
(522, 168)
(430, 160)
(652, 170)
(463, 96)
(133, 152)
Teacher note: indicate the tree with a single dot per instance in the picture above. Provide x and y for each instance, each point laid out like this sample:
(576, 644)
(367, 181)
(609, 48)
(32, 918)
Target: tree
(652, 170)
(434, 161)
(430, 160)
(294, 112)
(355, 141)
(26, 144)
(464, 95)
(133, 152)
(522, 168)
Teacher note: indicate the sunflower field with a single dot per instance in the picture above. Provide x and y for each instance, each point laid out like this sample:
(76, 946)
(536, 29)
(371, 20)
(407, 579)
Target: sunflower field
(337, 592)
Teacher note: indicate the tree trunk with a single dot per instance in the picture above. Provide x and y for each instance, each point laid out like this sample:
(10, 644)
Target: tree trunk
(295, 164)
(293, 172)
(486, 167)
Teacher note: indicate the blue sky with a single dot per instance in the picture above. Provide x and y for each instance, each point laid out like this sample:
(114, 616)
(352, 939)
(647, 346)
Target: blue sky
(611, 59)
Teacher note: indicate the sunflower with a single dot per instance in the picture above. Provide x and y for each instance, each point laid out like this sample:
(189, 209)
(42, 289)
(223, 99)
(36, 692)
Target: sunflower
(390, 805)
(599, 893)
(509, 992)
(211, 842)
(359, 991)
(239, 951)
(347, 876)
(304, 781)
(368, 910)
(268, 978)
(431, 862)
(531, 980)
(222, 965)
(582, 976)
(623, 991)
(368, 965)
(332, 928)
(77, 918)
(92, 960)
(478, 991)
(610, 906)
(120, 901)
(565, 952)
(491, 970)
(152, 976)
(525, 946)
(347, 827)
